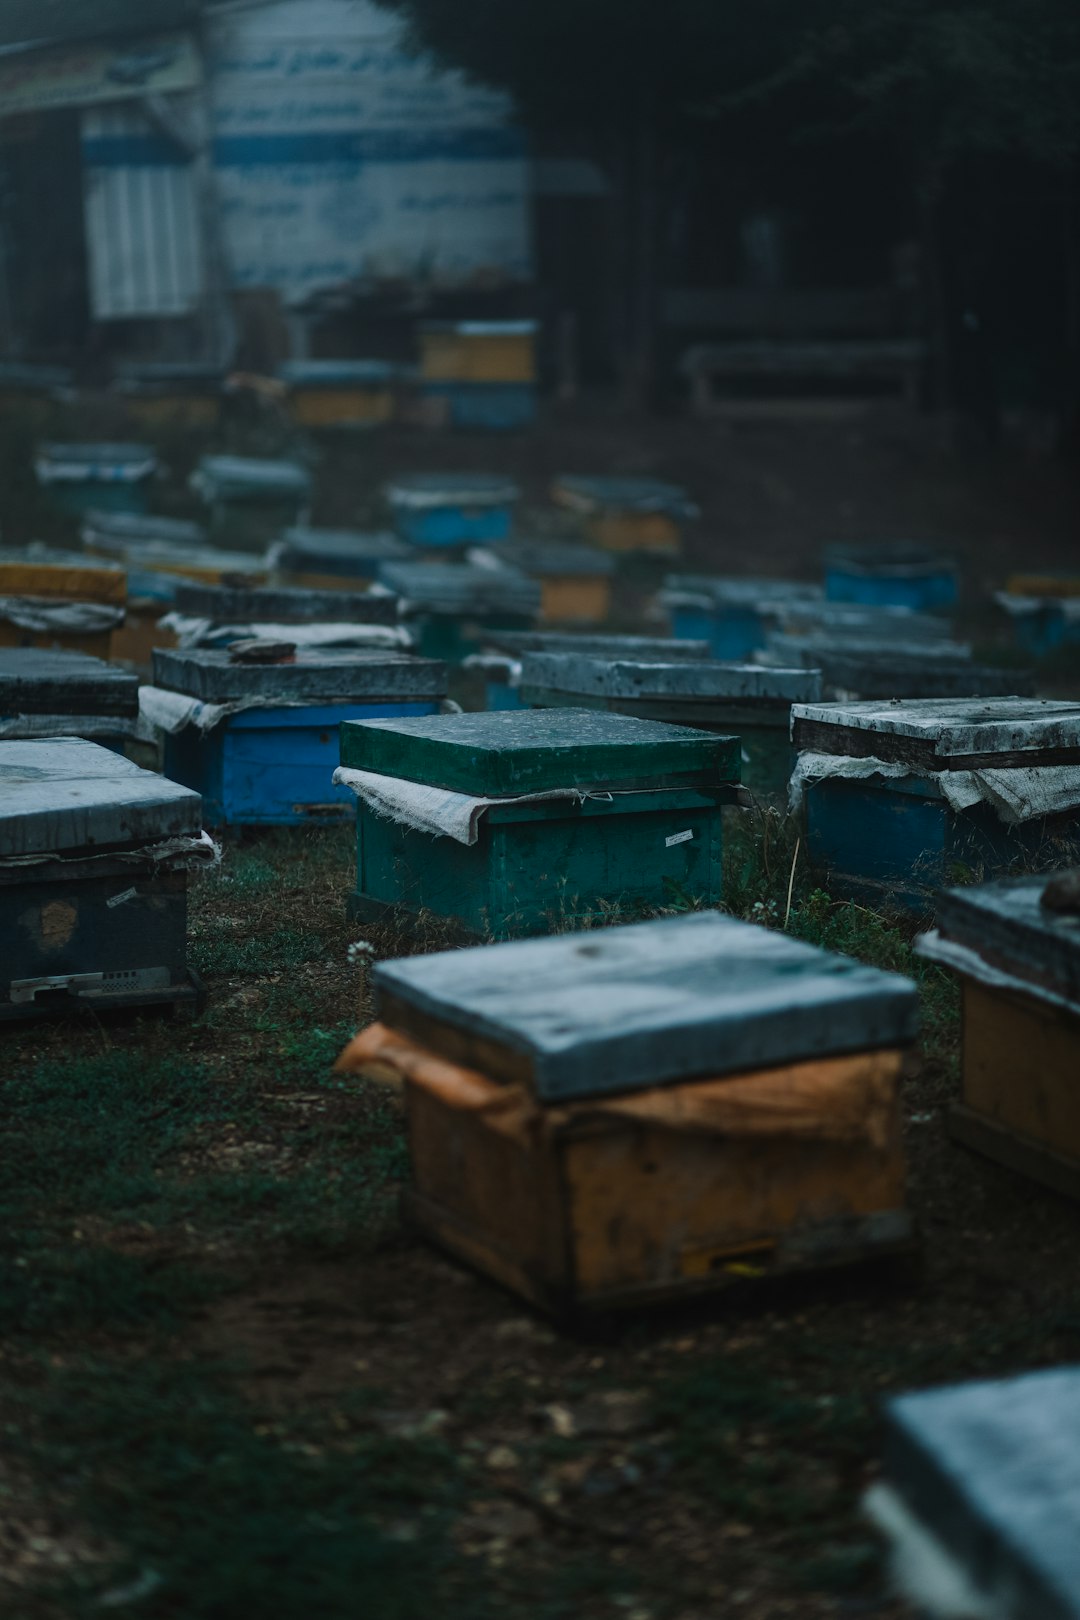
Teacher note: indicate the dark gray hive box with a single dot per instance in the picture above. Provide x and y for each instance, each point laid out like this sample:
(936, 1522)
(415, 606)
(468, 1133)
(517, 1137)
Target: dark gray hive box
(580, 1015)
(224, 604)
(332, 676)
(934, 734)
(34, 681)
(518, 752)
(63, 794)
(339, 552)
(665, 649)
(461, 590)
(992, 1470)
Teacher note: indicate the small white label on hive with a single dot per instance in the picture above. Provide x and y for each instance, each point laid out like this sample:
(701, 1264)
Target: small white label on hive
(679, 838)
(118, 899)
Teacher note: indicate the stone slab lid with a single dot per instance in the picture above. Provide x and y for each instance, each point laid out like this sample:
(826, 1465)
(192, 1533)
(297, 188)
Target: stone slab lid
(105, 463)
(116, 532)
(352, 554)
(944, 733)
(331, 675)
(417, 491)
(40, 681)
(228, 604)
(890, 559)
(163, 557)
(619, 1009)
(593, 495)
(871, 623)
(543, 559)
(665, 649)
(689, 680)
(511, 752)
(1006, 925)
(248, 478)
(992, 1470)
(64, 795)
(461, 590)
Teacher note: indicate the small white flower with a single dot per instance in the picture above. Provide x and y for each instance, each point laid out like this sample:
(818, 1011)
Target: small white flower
(359, 949)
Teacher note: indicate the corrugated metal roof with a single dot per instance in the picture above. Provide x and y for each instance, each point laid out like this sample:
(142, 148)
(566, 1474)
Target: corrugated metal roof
(33, 21)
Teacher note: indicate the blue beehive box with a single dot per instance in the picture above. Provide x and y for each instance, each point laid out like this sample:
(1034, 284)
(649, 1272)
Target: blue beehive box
(1045, 611)
(912, 576)
(980, 1499)
(732, 615)
(904, 797)
(114, 476)
(260, 740)
(491, 407)
(440, 510)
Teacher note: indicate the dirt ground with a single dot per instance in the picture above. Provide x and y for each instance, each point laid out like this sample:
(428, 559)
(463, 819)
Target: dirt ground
(224, 1360)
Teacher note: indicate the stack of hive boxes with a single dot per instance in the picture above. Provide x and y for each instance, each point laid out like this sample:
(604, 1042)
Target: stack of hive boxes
(482, 373)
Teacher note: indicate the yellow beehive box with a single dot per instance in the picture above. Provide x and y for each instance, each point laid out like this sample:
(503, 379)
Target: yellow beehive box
(632, 515)
(1037, 584)
(36, 581)
(574, 579)
(342, 393)
(478, 351)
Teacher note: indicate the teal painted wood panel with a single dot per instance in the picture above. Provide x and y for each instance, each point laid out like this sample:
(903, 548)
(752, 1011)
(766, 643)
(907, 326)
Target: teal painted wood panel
(502, 753)
(536, 869)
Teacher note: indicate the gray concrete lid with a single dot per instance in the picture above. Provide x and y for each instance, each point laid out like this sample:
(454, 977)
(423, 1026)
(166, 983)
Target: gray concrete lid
(957, 726)
(854, 621)
(1005, 924)
(823, 648)
(162, 555)
(331, 675)
(619, 1009)
(340, 551)
(427, 490)
(936, 670)
(666, 649)
(65, 795)
(688, 680)
(40, 556)
(228, 604)
(137, 528)
(992, 1469)
(42, 681)
(461, 588)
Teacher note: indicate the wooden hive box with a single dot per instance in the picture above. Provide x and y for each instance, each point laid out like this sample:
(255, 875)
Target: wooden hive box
(732, 615)
(252, 501)
(478, 351)
(172, 395)
(66, 694)
(1019, 968)
(592, 814)
(38, 584)
(453, 606)
(93, 856)
(980, 1498)
(260, 741)
(335, 559)
(920, 577)
(342, 393)
(636, 1114)
(111, 477)
(746, 700)
(446, 510)
(639, 515)
(574, 580)
(902, 798)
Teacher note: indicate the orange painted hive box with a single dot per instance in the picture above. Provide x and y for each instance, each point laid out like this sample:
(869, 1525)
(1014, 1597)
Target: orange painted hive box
(633, 1114)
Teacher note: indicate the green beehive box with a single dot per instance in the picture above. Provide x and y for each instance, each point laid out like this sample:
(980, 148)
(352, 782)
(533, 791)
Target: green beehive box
(513, 823)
